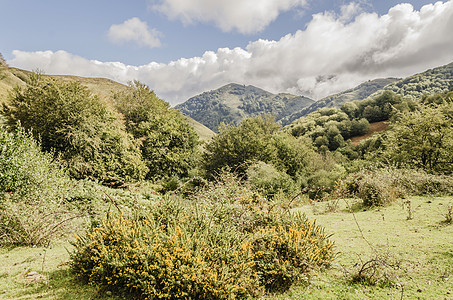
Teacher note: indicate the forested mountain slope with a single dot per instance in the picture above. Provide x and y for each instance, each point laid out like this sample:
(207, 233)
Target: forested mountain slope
(233, 102)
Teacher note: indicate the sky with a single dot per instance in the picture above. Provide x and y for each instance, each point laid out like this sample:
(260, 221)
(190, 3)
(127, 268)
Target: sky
(181, 48)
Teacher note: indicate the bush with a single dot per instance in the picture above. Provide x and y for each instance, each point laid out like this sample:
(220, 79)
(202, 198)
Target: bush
(32, 189)
(270, 181)
(24, 169)
(286, 252)
(383, 186)
(227, 242)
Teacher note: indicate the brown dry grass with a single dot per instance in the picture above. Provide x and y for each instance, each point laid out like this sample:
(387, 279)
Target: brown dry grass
(374, 128)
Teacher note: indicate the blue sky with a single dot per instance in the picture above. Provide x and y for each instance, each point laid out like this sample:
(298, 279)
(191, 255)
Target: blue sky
(184, 47)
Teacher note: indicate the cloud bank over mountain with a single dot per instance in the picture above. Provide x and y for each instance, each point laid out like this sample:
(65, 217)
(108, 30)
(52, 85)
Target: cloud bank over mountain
(334, 52)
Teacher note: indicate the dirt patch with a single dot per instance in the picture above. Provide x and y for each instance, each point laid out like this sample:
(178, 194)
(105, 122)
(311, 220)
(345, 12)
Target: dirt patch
(374, 128)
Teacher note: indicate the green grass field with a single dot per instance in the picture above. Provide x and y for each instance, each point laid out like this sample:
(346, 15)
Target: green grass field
(421, 246)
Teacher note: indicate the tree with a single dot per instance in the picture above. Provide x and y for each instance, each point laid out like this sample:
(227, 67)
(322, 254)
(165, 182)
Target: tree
(168, 142)
(77, 127)
(251, 140)
(423, 138)
(259, 139)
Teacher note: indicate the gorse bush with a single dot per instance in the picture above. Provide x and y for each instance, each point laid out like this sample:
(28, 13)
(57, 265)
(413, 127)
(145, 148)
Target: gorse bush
(226, 242)
(146, 258)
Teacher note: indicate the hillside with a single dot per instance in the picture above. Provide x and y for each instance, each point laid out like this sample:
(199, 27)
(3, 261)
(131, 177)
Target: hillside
(359, 92)
(430, 82)
(104, 88)
(233, 102)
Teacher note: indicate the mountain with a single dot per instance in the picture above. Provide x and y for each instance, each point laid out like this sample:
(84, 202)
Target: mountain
(360, 92)
(11, 77)
(233, 102)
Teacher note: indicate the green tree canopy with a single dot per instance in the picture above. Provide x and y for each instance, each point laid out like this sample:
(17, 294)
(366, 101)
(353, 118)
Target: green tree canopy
(78, 127)
(258, 139)
(168, 142)
(423, 138)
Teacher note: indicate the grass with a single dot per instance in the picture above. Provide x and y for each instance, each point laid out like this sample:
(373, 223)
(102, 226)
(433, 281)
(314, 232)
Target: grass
(423, 245)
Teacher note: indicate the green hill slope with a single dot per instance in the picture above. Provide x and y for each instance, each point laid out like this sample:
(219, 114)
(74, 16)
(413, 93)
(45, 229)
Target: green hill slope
(360, 92)
(233, 102)
(432, 81)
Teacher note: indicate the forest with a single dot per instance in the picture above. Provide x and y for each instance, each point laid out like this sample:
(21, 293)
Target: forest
(149, 210)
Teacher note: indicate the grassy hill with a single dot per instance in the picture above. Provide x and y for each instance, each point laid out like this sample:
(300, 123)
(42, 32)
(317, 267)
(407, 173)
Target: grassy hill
(233, 102)
(104, 88)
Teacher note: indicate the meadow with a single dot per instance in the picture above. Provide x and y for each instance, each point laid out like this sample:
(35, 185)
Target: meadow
(414, 257)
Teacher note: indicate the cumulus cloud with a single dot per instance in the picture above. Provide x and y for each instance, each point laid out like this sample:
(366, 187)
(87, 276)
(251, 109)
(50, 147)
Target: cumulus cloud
(134, 30)
(245, 16)
(333, 53)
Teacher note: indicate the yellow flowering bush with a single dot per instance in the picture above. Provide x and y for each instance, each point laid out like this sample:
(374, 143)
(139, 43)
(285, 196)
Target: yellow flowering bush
(225, 242)
(150, 259)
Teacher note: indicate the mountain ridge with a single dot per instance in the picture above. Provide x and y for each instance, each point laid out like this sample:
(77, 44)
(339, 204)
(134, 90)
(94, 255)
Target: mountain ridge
(214, 107)
(233, 102)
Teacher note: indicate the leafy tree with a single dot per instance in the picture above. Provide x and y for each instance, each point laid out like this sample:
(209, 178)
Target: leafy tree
(233, 146)
(168, 142)
(260, 139)
(359, 127)
(423, 138)
(78, 127)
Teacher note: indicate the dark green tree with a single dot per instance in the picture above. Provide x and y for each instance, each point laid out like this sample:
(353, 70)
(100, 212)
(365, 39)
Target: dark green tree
(423, 139)
(77, 127)
(168, 142)
(258, 139)
(233, 146)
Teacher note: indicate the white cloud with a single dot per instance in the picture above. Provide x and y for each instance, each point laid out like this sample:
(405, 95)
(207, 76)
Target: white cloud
(134, 30)
(330, 55)
(245, 16)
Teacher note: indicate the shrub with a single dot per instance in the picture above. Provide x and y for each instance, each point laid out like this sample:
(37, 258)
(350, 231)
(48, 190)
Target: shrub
(157, 258)
(32, 189)
(270, 181)
(23, 167)
(382, 186)
(226, 242)
(286, 252)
